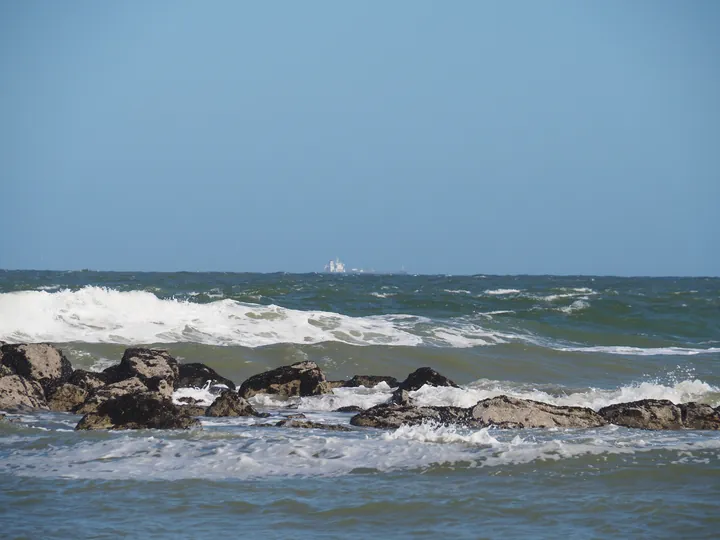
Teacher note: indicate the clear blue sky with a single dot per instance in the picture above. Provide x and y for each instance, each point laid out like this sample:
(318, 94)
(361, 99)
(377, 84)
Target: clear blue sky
(448, 137)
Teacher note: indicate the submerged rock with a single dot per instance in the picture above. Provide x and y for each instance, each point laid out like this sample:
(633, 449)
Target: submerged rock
(390, 416)
(509, 412)
(19, 393)
(138, 411)
(370, 381)
(145, 364)
(299, 379)
(198, 375)
(38, 362)
(229, 403)
(307, 424)
(349, 409)
(422, 376)
(644, 414)
(111, 391)
(66, 398)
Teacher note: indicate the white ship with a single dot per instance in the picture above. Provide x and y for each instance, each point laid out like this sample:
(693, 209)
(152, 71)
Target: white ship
(335, 267)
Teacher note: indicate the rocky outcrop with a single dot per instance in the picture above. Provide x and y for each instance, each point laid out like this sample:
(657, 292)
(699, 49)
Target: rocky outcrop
(300, 379)
(112, 391)
(644, 414)
(193, 410)
(511, 413)
(390, 416)
(145, 364)
(229, 403)
(422, 376)
(370, 381)
(66, 398)
(138, 411)
(19, 393)
(661, 414)
(88, 380)
(400, 397)
(197, 375)
(307, 424)
(349, 409)
(38, 362)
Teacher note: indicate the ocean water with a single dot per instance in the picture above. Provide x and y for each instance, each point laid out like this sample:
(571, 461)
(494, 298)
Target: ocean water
(588, 341)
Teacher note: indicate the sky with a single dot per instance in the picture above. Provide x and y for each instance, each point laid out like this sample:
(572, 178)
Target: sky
(464, 137)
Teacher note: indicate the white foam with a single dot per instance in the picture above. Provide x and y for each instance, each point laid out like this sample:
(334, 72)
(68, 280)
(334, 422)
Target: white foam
(640, 351)
(203, 396)
(457, 291)
(497, 292)
(101, 315)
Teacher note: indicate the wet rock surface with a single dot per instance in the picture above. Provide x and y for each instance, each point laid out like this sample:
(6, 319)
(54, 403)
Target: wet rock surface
(661, 414)
(111, 391)
(145, 364)
(422, 376)
(700, 416)
(299, 379)
(229, 403)
(198, 375)
(370, 381)
(349, 409)
(38, 362)
(391, 416)
(88, 380)
(138, 411)
(509, 412)
(306, 424)
(66, 398)
(19, 393)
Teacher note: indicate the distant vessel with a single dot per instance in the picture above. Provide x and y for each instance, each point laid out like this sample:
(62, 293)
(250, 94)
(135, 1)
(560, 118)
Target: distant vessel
(335, 267)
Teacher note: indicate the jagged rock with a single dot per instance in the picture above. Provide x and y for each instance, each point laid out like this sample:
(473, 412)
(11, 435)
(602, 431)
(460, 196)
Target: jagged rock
(422, 376)
(145, 364)
(229, 403)
(38, 362)
(390, 416)
(19, 393)
(334, 384)
(138, 411)
(193, 410)
(400, 397)
(700, 416)
(295, 416)
(198, 375)
(66, 398)
(111, 391)
(5, 370)
(307, 424)
(161, 386)
(88, 380)
(300, 379)
(644, 414)
(509, 412)
(371, 381)
(350, 409)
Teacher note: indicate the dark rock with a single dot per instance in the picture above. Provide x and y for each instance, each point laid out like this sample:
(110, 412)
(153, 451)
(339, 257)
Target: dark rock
(509, 412)
(300, 379)
(197, 375)
(189, 400)
(19, 393)
(295, 416)
(38, 362)
(111, 391)
(400, 397)
(350, 409)
(138, 411)
(145, 364)
(307, 424)
(88, 380)
(389, 416)
(644, 414)
(193, 410)
(66, 398)
(371, 381)
(229, 403)
(422, 376)
(699, 416)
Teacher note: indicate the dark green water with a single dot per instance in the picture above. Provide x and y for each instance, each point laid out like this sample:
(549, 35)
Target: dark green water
(566, 340)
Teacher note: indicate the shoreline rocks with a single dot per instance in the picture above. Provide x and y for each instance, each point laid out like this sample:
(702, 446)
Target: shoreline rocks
(422, 376)
(38, 362)
(198, 375)
(229, 403)
(656, 414)
(297, 380)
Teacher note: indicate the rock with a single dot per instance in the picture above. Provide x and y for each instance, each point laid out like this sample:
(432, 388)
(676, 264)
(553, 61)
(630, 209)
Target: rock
(699, 416)
(371, 381)
(509, 412)
(350, 409)
(145, 364)
(400, 397)
(189, 400)
(334, 384)
(111, 391)
(422, 376)
(197, 375)
(644, 414)
(161, 386)
(88, 380)
(67, 398)
(19, 393)
(295, 416)
(307, 424)
(38, 362)
(300, 379)
(389, 416)
(138, 411)
(193, 410)
(5, 370)
(229, 403)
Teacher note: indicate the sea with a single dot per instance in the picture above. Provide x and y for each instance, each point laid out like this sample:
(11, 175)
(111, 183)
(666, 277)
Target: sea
(566, 340)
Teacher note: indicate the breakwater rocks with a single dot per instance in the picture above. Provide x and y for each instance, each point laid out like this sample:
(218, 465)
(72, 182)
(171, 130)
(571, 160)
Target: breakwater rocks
(137, 393)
